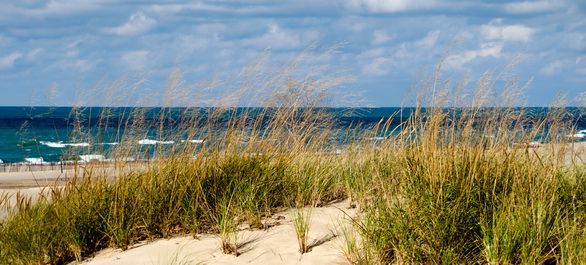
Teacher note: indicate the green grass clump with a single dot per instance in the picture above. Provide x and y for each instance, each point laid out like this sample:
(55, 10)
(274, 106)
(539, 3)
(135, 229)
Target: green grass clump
(452, 189)
(177, 197)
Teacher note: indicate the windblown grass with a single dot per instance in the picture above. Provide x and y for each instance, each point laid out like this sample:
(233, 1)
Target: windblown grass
(452, 189)
(446, 187)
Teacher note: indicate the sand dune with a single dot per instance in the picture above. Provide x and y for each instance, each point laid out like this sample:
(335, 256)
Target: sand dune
(276, 245)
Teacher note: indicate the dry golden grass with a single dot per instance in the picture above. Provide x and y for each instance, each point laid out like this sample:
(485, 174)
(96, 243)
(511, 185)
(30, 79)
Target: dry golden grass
(446, 186)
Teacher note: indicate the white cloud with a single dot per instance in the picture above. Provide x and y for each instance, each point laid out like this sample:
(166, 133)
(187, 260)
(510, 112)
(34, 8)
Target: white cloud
(75, 43)
(535, 6)
(8, 61)
(565, 66)
(372, 53)
(210, 28)
(83, 65)
(429, 40)
(78, 65)
(191, 43)
(310, 36)
(576, 40)
(217, 6)
(553, 68)
(71, 53)
(66, 7)
(276, 38)
(376, 67)
(358, 27)
(136, 25)
(135, 60)
(381, 37)
(32, 55)
(457, 61)
(495, 31)
(198, 6)
(389, 6)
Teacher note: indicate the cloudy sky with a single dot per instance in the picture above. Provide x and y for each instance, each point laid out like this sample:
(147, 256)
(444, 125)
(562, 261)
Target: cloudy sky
(74, 43)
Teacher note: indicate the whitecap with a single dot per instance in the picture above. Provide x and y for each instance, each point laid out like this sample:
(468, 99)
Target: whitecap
(78, 144)
(376, 138)
(89, 158)
(149, 141)
(1, 162)
(60, 144)
(196, 141)
(577, 135)
(53, 144)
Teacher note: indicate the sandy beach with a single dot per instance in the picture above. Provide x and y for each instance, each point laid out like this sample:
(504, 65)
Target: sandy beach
(36, 181)
(29, 184)
(275, 245)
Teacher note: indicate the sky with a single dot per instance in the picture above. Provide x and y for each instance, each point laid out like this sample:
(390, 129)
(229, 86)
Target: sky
(71, 45)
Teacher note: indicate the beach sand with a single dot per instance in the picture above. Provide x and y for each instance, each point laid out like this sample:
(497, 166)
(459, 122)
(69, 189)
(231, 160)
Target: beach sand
(275, 245)
(35, 183)
(28, 184)
(576, 154)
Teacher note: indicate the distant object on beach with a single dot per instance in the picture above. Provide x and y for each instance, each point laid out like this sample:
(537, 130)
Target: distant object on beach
(35, 160)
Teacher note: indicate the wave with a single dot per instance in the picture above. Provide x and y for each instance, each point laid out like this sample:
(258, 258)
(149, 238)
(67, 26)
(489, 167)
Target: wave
(114, 143)
(93, 157)
(1, 162)
(196, 141)
(63, 145)
(581, 134)
(151, 142)
(576, 135)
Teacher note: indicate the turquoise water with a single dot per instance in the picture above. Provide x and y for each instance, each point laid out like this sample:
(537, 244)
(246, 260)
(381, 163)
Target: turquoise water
(45, 134)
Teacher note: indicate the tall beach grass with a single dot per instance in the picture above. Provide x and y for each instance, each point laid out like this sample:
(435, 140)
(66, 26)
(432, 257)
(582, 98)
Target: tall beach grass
(446, 187)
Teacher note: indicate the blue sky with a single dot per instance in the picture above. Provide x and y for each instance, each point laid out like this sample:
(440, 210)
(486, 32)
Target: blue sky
(74, 44)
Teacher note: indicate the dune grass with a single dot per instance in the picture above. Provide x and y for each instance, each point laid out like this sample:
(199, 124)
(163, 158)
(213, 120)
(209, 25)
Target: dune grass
(453, 188)
(446, 187)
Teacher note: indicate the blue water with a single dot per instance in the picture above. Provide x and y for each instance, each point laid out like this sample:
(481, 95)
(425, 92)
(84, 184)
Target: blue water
(35, 134)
